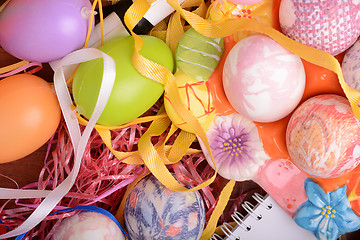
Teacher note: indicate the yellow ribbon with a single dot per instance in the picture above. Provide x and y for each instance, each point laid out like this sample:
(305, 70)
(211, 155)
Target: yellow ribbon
(154, 158)
(225, 28)
(12, 67)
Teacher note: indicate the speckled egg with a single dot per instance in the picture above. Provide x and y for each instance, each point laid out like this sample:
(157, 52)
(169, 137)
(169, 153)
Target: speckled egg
(155, 212)
(351, 66)
(262, 80)
(331, 26)
(323, 137)
(88, 225)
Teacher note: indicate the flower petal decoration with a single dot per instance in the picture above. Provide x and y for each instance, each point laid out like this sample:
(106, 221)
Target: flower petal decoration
(236, 147)
(316, 195)
(327, 215)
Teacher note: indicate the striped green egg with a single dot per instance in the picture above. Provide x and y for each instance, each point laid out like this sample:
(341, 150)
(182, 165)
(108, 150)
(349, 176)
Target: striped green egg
(197, 55)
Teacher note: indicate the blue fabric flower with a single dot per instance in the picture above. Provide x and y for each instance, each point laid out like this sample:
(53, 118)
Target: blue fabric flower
(327, 215)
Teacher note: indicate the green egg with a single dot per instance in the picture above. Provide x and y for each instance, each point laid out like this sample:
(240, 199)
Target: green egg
(133, 94)
(197, 55)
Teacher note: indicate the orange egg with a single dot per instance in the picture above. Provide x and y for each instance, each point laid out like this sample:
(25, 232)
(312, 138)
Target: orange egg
(29, 115)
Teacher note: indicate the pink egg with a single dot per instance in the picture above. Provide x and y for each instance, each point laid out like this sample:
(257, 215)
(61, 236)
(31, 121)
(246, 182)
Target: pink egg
(323, 137)
(331, 26)
(262, 80)
(88, 225)
(43, 31)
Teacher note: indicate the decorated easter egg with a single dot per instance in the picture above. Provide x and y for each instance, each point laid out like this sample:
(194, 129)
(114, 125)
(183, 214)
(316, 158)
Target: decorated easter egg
(132, 94)
(351, 66)
(88, 225)
(43, 31)
(245, 2)
(262, 80)
(323, 137)
(197, 55)
(236, 147)
(29, 115)
(261, 10)
(196, 97)
(155, 212)
(331, 26)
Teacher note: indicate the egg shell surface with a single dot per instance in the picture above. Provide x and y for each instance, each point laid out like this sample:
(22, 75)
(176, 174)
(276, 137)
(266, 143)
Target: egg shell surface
(86, 226)
(196, 97)
(245, 2)
(331, 26)
(197, 55)
(43, 31)
(29, 115)
(351, 66)
(155, 212)
(262, 80)
(132, 94)
(323, 137)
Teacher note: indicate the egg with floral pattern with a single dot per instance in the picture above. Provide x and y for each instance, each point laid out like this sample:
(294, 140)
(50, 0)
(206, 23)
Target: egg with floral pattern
(237, 150)
(153, 211)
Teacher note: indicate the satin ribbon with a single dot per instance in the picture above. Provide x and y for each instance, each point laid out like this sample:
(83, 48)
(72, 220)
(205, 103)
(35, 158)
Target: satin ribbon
(19, 67)
(79, 141)
(88, 209)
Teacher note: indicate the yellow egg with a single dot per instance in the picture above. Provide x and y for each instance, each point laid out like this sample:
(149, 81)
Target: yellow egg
(196, 97)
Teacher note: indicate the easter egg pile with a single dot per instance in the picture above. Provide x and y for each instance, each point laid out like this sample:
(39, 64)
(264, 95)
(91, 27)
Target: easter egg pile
(247, 107)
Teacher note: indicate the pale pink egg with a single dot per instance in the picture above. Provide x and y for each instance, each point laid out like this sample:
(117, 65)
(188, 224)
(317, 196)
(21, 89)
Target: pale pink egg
(331, 26)
(88, 225)
(262, 80)
(323, 137)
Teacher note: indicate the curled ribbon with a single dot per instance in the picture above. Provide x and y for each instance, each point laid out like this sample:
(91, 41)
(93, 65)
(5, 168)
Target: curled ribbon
(79, 140)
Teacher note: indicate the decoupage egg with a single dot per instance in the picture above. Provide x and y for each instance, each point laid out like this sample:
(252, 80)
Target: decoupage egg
(43, 31)
(262, 80)
(155, 212)
(86, 226)
(323, 136)
(351, 66)
(331, 26)
(29, 115)
(132, 94)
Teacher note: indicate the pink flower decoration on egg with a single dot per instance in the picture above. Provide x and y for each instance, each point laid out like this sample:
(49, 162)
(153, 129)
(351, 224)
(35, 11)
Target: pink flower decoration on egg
(236, 147)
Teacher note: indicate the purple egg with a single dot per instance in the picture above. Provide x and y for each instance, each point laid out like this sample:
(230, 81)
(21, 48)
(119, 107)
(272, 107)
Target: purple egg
(43, 31)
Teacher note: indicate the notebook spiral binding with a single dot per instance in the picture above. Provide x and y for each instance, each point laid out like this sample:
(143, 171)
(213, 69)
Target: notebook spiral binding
(239, 218)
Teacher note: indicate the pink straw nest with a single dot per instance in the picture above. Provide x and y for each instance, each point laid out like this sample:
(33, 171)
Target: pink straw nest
(102, 179)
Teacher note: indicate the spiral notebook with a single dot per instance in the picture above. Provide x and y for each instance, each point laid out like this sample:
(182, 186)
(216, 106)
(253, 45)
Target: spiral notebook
(266, 220)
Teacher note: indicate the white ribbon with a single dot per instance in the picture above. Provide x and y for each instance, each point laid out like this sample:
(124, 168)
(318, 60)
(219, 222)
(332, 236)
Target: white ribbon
(79, 141)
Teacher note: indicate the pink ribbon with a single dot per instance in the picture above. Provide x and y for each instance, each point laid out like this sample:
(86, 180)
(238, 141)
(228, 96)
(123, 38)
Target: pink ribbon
(79, 141)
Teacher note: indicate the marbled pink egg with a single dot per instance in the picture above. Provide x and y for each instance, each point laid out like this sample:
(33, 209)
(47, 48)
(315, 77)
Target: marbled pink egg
(323, 137)
(331, 26)
(88, 225)
(262, 80)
